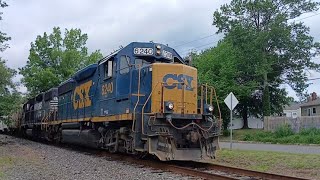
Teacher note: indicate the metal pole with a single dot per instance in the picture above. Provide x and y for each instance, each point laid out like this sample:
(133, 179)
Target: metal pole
(231, 124)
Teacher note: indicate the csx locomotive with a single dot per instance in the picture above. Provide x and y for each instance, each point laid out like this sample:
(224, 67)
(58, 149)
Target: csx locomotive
(141, 99)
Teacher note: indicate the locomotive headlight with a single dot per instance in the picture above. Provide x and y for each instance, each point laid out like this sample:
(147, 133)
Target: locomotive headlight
(158, 50)
(210, 108)
(170, 106)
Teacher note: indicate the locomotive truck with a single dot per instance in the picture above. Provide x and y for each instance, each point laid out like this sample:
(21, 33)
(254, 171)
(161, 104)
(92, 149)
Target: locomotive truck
(142, 99)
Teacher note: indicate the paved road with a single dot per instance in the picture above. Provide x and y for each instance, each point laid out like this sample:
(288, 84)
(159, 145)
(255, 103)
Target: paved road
(273, 147)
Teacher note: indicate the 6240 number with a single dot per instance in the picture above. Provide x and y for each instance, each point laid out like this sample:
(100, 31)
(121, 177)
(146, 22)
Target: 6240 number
(143, 51)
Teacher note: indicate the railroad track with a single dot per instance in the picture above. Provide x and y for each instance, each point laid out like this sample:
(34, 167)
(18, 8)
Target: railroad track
(227, 172)
(199, 169)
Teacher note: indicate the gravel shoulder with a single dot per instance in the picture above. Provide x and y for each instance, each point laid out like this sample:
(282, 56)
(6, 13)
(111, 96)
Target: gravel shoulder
(28, 160)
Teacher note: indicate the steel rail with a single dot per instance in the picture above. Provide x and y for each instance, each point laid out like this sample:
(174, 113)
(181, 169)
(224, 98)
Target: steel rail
(251, 173)
(168, 167)
(189, 168)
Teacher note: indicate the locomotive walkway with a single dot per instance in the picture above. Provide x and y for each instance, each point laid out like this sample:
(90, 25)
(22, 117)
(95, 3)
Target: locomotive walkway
(301, 149)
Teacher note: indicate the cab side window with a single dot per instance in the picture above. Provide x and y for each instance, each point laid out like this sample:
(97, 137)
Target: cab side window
(108, 69)
(124, 64)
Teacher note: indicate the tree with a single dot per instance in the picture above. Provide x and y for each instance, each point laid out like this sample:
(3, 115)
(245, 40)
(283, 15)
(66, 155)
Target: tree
(53, 59)
(9, 96)
(225, 68)
(217, 67)
(6, 78)
(3, 36)
(278, 47)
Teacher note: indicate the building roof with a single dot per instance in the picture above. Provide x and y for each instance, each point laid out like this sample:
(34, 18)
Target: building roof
(292, 106)
(315, 102)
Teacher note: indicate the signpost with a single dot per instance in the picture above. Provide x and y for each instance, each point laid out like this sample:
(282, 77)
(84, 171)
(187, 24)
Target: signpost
(231, 101)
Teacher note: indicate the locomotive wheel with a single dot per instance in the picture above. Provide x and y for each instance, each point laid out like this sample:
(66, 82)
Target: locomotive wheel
(112, 141)
(58, 135)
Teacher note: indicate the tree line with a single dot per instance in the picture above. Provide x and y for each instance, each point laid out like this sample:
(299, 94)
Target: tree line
(264, 46)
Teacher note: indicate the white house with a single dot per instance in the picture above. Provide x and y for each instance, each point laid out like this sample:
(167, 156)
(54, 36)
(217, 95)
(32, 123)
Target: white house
(292, 110)
(3, 126)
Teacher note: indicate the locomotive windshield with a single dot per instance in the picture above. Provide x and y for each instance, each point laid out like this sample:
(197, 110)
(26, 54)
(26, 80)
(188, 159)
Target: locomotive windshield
(141, 62)
(145, 61)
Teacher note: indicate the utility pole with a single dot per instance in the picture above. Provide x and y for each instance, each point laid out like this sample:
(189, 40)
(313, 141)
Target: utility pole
(266, 92)
(190, 57)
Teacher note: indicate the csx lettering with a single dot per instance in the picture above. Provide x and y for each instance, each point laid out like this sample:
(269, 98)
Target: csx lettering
(107, 89)
(172, 81)
(82, 92)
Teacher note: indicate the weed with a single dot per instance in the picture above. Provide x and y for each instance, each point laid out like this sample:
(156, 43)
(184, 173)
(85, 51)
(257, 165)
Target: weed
(283, 131)
(282, 135)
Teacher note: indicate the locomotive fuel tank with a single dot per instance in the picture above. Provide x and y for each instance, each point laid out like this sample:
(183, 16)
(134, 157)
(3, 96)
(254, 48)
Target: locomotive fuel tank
(87, 138)
(29, 132)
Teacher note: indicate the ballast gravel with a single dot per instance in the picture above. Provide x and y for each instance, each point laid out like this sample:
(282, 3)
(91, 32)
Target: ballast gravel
(22, 159)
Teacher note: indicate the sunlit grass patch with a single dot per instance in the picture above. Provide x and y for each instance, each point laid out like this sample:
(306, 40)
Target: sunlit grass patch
(5, 161)
(268, 161)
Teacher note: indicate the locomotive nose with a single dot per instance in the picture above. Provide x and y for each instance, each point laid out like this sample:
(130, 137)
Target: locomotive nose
(175, 83)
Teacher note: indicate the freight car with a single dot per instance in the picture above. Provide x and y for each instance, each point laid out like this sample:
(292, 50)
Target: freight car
(142, 99)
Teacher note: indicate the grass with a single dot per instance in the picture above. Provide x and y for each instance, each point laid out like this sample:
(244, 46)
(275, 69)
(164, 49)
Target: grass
(5, 162)
(1, 175)
(304, 165)
(282, 135)
(239, 134)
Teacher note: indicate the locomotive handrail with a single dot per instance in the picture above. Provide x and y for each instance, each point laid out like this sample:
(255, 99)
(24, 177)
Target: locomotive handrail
(136, 105)
(142, 118)
(212, 92)
(206, 86)
(162, 101)
(216, 97)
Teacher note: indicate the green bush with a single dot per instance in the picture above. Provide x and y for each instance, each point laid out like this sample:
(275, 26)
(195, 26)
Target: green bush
(285, 135)
(249, 137)
(283, 131)
(310, 131)
(226, 132)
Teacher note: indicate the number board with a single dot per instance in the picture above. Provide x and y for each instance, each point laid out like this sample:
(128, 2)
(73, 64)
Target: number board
(167, 54)
(143, 51)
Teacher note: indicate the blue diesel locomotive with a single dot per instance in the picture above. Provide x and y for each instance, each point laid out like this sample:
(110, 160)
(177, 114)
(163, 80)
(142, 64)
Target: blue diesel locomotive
(141, 99)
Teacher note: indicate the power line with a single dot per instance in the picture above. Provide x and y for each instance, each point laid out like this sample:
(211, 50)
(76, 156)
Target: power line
(313, 79)
(197, 48)
(316, 14)
(205, 37)
(194, 40)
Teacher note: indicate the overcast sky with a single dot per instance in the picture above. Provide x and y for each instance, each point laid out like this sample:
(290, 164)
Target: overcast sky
(110, 24)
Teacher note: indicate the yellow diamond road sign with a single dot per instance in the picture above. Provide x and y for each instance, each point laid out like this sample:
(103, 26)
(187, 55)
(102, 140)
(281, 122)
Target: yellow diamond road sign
(231, 101)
